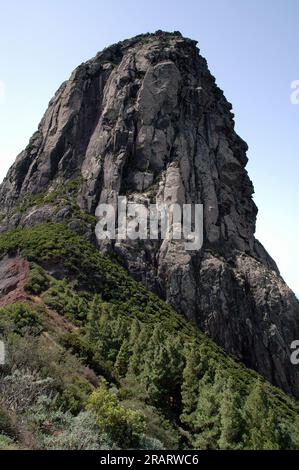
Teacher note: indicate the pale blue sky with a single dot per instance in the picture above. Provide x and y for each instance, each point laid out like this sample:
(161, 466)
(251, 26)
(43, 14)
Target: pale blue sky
(251, 47)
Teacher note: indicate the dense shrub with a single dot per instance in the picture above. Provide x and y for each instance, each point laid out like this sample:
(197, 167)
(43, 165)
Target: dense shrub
(21, 389)
(60, 430)
(22, 318)
(75, 395)
(67, 302)
(126, 427)
(37, 281)
(80, 433)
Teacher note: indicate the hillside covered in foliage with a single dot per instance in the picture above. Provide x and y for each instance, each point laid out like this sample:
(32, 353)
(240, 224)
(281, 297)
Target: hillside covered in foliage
(95, 361)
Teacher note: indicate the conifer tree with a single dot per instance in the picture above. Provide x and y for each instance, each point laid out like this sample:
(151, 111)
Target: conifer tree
(163, 368)
(93, 317)
(230, 418)
(262, 431)
(122, 360)
(136, 361)
(207, 417)
(155, 376)
(135, 329)
(190, 381)
(155, 362)
(174, 371)
(152, 346)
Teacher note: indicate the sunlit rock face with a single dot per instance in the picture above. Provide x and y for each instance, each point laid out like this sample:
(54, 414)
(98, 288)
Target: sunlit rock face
(145, 119)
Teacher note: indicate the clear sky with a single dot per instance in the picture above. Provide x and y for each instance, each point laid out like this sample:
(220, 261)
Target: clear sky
(251, 47)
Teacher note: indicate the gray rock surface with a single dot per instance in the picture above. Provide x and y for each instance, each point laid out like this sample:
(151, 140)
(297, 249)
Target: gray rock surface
(144, 118)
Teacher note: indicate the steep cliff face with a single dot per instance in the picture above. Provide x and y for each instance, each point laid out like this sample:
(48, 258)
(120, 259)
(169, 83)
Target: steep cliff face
(145, 119)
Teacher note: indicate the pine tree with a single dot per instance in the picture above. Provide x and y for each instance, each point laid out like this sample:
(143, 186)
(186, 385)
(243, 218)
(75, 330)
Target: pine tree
(206, 416)
(105, 337)
(155, 362)
(197, 358)
(103, 330)
(119, 331)
(163, 369)
(155, 376)
(262, 431)
(230, 418)
(190, 381)
(135, 329)
(122, 360)
(272, 432)
(174, 371)
(136, 361)
(93, 317)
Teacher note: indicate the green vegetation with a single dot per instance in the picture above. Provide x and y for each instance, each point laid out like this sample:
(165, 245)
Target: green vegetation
(21, 317)
(126, 427)
(59, 197)
(160, 382)
(37, 281)
(64, 194)
(6, 443)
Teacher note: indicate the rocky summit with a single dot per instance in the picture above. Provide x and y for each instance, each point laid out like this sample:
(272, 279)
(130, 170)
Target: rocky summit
(144, 118)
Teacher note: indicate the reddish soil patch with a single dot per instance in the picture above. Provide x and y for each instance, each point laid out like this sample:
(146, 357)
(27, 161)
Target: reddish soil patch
(13, 276)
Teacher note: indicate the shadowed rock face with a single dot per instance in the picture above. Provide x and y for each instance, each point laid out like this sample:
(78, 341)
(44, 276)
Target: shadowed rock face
(145, 119)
